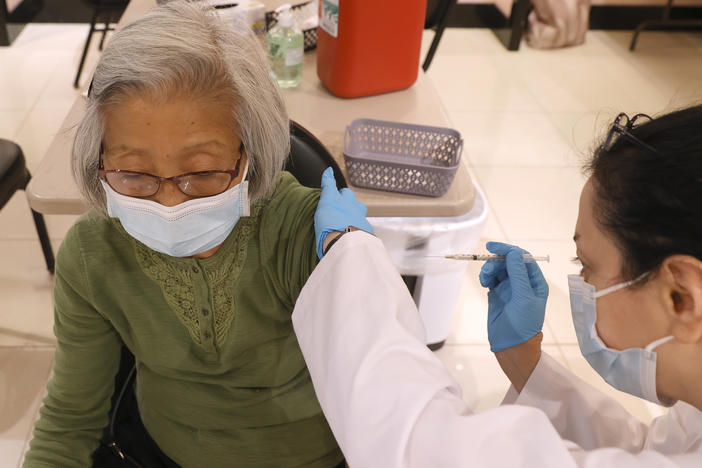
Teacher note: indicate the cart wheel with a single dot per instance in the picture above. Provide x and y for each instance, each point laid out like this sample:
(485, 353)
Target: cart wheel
(436, 346)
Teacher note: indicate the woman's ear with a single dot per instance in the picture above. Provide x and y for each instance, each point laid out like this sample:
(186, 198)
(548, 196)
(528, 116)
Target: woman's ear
(682, 277)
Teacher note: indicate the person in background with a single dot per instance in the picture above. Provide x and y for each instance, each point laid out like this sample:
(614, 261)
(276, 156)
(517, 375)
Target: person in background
(636, 307)
(192, 255)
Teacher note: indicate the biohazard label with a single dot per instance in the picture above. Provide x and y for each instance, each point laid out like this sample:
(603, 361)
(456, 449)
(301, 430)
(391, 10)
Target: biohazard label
(329, 20)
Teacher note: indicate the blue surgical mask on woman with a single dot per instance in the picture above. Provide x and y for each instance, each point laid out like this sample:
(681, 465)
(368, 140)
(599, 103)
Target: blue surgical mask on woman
(632, 370)
(183, 230)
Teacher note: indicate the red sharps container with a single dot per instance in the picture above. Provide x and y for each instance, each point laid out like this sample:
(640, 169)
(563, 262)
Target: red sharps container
(369, 47)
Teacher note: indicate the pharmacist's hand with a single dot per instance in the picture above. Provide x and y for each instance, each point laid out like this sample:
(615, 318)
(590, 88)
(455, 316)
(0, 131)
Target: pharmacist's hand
(337, 210)
(516, 298)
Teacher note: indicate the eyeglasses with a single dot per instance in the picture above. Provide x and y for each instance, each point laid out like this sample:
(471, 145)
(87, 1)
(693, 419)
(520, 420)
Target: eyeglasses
(194, 184)
(621, 127)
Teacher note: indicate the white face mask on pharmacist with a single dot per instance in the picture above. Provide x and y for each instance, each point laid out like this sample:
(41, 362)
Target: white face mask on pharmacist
(632, 370)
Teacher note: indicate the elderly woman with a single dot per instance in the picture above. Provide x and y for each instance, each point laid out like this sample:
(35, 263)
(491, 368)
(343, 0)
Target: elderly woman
(183, 126)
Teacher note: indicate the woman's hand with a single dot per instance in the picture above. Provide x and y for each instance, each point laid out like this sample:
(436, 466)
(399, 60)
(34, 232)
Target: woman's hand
(516, 309)
(337, 210)
(517, 297)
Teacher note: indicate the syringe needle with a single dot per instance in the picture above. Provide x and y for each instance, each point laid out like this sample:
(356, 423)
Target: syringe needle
(491, 257)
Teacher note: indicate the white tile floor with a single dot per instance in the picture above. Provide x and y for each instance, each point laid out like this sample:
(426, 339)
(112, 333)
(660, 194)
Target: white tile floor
(528, 118)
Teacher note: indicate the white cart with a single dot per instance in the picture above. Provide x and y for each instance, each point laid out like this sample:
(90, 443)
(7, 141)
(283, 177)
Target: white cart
(435, 283)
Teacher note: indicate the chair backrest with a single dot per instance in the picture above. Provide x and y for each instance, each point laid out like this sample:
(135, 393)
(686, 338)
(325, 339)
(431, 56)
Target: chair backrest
(13, 170)
(309, 158)
(115, 4)
(10, 154)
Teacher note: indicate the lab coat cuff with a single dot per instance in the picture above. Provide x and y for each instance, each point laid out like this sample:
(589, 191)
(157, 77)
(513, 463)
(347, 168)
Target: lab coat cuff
(349, 240)
(540, 382)
(513, 397)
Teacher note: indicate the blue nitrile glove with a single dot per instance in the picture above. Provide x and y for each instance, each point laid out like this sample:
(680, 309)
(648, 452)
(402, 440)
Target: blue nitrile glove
(337, 210)
(517, 297)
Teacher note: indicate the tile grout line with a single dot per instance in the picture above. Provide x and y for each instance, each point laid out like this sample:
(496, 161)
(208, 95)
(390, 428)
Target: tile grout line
(36, 101)
(491, 212)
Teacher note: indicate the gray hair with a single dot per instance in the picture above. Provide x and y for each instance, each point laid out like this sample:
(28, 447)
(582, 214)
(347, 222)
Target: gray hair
(185, 47)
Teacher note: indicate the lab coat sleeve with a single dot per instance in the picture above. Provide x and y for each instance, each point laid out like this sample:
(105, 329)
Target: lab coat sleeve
(578, 411)
(605, 433)
(389, 401)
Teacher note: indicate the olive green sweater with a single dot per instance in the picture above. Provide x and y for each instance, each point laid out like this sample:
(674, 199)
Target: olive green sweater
(221, 381)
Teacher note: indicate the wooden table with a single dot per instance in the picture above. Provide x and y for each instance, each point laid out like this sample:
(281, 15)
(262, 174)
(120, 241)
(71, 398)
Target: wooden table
(53, 191)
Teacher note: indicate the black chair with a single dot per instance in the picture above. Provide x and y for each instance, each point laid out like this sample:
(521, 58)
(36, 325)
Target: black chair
(309, 158)
(436, 19)
(109, 11)
(14, 176)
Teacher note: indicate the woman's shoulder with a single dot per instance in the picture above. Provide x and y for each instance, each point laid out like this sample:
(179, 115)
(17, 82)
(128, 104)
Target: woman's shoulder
(87, 246)
(289, 198)
(287, 215)
(289, 191)
(91, 234)
(92, 226)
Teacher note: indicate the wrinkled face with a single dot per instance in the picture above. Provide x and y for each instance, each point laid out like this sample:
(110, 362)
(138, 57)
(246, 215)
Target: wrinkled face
(171, 137)
(628, 318)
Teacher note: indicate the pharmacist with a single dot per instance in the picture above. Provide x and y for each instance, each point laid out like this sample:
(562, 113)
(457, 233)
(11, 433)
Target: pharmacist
(636, 306)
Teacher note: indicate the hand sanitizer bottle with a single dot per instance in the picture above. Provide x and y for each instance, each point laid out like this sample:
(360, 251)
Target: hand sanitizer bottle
(285, 49)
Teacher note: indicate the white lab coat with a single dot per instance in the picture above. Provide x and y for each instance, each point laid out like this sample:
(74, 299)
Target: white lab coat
(391, 403)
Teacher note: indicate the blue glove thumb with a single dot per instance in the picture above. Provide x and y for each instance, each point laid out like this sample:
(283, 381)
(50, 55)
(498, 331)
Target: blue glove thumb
(328, 179)
(337, 210)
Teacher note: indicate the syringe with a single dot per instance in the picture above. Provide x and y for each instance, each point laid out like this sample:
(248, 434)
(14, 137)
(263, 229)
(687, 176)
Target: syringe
(485, 257)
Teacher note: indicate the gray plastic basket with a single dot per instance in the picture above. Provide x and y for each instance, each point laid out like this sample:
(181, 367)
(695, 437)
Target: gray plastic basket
(400, 157)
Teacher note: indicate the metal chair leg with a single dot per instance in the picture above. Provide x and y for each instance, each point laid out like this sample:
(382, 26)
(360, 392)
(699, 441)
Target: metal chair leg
(85, 49)
(432, 49)
(44, 239)
(511, 34)
(665, 21)
(104, 31)
(635, 37)
(443, 19)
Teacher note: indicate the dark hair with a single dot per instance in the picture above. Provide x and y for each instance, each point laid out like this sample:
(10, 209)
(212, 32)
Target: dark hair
(651, 202)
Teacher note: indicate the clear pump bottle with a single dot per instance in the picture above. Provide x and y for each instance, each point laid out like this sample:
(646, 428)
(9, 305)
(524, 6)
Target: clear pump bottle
(285, 49)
